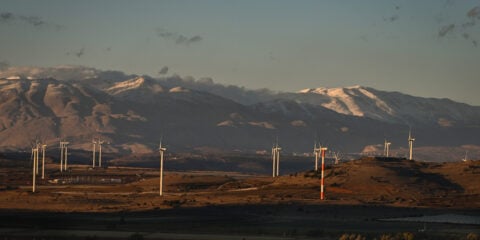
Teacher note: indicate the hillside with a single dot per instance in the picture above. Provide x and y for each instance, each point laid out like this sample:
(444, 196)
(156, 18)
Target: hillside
(131, 113)
(371, 181)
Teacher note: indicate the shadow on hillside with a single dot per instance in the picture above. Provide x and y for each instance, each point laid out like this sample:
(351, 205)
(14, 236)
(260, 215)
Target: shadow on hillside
(414, 171)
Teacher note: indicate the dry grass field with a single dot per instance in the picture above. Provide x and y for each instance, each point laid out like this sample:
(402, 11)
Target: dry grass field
(125, 200)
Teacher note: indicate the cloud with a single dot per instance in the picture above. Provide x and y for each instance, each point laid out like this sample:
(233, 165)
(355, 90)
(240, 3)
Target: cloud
(64, 72)
(34, 21)
(445, 30)
(392, 18)
(80, 52)
(468, 24)
(6, 17)
(474, 12)
(163, 71)
(177, 38)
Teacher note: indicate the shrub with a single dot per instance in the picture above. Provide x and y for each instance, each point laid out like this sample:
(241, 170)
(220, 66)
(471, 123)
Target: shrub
(473, 236)
(352, 236)
(136, 236)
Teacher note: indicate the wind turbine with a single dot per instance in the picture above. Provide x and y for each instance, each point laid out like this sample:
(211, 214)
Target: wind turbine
(386, 148)
(37, 144)
(100, 142)
(43, 160)
(161, 150)
(35, 165)
(65, 145)
(93, 156)
(316, 151)
(410, 145)
(63, 155)
(466, 157)
(276, 159)
(337, 156)
(322, 183)
(277, 150)
(34, 173)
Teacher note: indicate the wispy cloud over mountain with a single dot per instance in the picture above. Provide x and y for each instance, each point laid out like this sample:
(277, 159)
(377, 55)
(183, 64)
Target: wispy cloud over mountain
(163, 71)
(61, 72)
(179, 39)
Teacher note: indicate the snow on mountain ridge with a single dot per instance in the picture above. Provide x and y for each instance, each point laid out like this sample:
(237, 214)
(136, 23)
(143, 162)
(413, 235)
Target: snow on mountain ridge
(132, 84)
(389, 106)
(343, 99)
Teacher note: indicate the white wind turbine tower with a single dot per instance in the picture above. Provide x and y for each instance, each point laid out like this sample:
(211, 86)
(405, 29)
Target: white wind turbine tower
(43, 160)
(410, 145)
(337, 156)
(35, 165)
(386, 148)
(316, 151)
(63, 155)
(93, 156)
(65, 145)
(276, 159)
(466, 156)
(161, 150)
(37, 144)
(100, 142)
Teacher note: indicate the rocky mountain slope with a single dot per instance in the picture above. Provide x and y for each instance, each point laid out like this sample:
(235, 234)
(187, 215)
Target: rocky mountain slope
(131, 113)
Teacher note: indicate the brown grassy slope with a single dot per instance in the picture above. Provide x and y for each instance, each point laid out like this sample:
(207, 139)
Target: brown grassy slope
(390, 181)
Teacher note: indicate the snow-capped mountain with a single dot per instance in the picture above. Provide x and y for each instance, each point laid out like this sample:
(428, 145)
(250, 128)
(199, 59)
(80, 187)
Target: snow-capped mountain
(391, 107)
(132, 112)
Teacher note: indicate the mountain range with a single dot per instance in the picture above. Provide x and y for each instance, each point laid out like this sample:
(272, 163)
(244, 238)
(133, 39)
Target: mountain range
(131, 113)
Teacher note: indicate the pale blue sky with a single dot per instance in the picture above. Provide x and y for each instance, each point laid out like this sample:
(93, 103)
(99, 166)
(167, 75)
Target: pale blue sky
(393, 45)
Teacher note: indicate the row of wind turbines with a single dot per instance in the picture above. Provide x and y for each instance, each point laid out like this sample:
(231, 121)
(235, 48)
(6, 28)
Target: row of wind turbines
(321, 151)
(318, 150)
(386, 146)
(63, 157)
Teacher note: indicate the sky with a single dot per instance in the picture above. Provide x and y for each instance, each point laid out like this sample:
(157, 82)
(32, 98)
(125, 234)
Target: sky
(424, 48)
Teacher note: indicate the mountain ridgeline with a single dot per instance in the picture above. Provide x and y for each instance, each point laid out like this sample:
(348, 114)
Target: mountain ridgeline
(131, 114)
